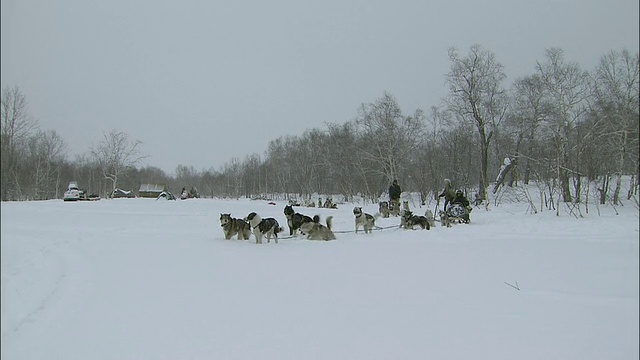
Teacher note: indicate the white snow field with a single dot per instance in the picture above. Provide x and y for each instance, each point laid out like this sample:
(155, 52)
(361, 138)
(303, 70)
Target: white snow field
(146, 279)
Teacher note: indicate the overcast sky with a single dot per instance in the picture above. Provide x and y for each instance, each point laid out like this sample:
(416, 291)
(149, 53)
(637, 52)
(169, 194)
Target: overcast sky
(201, 82)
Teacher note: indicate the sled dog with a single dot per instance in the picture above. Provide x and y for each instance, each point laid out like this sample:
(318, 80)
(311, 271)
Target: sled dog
(394, 207)
(405, 206)
(430, 218)
(232, 226)
(408, 221)
(262, 227)
(383, 209)
(294, 219)
(444, 219)
(367, 221)
(316, 231)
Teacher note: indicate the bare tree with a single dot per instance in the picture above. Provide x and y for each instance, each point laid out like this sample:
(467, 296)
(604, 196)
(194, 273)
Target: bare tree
(616, 80)
(528, 111)
(341, 152)
(566, 87)
(17, 126)
(46, 154)
(186, 176)
(233, 178)
(476, 94)
(391, 136)
(116, 155)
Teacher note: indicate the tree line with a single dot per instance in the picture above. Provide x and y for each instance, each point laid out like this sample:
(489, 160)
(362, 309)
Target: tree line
(566, 128)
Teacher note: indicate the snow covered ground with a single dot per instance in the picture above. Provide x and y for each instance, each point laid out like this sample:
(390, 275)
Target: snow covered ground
(146, 279)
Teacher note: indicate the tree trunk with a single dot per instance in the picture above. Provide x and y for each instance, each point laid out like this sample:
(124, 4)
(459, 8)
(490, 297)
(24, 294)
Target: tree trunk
(484, 161)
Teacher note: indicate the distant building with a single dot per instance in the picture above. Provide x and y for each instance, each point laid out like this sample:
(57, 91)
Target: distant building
(151, 190)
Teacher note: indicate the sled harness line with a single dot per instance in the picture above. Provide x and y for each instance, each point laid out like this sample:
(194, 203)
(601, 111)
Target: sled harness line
(375, 228)
(346, 231)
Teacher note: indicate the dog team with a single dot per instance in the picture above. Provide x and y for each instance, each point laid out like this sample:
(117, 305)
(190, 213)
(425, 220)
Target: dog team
(311, 226)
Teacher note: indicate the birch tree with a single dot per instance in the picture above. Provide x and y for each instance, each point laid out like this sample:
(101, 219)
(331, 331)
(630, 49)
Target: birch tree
(617, 92)
(115, 155)
(566, 87)
(45, 155)
(528, 112)
(391, 136)
(476, 95)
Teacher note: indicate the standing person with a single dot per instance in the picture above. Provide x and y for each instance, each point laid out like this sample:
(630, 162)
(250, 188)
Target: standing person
(394, 197)
(447, 193)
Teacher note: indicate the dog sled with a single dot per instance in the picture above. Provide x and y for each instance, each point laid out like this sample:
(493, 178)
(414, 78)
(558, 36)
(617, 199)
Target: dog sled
(458, 213)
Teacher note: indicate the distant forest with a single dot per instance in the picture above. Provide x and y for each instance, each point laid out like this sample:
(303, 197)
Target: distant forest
(566, 128)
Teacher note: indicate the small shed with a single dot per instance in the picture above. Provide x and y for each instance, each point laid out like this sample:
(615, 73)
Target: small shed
(151, 190)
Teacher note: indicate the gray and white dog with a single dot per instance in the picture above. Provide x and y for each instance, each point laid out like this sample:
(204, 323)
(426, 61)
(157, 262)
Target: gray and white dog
(383, 207)
(430, 218)
(367, 221)
(232, 226)
(262, 227)
(409, 221)
(316, 231)
(444, 219)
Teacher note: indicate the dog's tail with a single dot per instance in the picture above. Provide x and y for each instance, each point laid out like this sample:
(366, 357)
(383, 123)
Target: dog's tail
(377, 215)
(329, 221)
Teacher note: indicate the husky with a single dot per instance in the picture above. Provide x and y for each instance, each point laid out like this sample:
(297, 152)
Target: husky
(444, 219)
(408, 221)
(367, 221)
(405, 206)
(232, 226)
(294, 219)
(261, 227)
(316, 231)
(384, 209)
(394, 207)
(430, 218)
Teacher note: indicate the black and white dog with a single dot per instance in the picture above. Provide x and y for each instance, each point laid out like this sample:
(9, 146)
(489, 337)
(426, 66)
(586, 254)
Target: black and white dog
(408, 221)
(262, 227)
(367, 221)
(294, 219)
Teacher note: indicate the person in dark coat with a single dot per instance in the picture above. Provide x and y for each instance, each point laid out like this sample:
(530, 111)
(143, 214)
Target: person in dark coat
(394, 197)
(461, 199)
